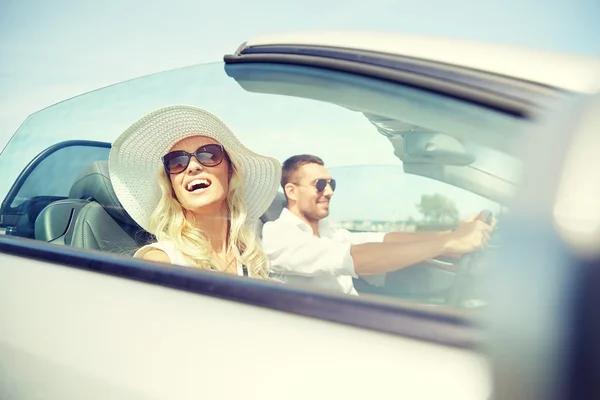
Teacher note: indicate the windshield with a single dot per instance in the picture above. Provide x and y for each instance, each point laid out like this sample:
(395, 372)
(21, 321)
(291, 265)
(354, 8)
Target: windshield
(275, 125)
(398, 197)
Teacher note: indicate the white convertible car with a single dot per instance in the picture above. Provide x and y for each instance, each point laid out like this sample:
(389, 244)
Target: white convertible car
(418, 132)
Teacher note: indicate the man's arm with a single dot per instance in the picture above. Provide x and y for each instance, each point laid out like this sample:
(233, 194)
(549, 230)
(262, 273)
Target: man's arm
(411, 237)
(295, 253)
(377, 258)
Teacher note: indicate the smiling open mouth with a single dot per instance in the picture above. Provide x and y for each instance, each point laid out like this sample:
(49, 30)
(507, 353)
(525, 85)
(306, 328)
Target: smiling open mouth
(198, 184)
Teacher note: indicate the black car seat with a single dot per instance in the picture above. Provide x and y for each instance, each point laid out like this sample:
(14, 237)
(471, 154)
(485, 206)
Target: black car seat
(102, 223)
(93, 218)
(56, 221)
(272, 213)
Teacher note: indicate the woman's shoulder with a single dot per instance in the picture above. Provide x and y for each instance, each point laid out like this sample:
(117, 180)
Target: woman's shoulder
(154, 254)
(162, 251)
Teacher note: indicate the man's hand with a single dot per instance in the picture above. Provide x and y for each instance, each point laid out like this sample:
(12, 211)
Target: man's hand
(469, 236)
(474, 217)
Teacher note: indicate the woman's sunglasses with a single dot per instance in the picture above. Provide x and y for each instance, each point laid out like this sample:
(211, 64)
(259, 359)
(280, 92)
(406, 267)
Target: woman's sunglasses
(209, 155)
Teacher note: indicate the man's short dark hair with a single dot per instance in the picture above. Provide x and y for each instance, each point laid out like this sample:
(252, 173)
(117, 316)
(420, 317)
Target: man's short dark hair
(292, 164)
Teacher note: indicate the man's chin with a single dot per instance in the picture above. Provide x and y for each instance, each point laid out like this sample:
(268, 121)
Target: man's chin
(324, 213)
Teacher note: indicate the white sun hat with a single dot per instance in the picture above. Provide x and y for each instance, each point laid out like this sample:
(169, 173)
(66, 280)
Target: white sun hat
(135, 160)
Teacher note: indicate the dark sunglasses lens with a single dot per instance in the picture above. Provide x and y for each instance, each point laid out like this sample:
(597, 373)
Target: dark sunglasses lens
(210, 155)
(178, 164)
(322, 184)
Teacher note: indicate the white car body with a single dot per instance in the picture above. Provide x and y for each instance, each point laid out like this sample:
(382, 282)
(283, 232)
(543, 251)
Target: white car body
(75, 324)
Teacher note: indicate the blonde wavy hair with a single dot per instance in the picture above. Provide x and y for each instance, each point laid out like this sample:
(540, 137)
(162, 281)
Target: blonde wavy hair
(168, 222)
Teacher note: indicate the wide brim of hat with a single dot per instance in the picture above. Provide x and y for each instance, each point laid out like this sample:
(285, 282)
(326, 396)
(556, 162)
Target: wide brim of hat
(135, 160)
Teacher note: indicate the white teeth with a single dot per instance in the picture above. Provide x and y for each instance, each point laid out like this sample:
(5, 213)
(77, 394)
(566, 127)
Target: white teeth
(191, 184)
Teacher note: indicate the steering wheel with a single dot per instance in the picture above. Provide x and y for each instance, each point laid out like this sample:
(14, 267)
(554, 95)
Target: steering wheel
(464, 269)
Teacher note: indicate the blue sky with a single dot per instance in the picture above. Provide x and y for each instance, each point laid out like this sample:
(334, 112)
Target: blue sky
(54, 50)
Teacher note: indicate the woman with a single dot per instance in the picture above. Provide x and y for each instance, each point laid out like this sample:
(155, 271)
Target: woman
(183, 176)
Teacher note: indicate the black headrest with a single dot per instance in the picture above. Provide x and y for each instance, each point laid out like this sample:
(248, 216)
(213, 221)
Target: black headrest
(94, 183)
(274, 210)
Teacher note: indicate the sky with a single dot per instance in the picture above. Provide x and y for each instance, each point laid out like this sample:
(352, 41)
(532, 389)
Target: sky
(50, 51)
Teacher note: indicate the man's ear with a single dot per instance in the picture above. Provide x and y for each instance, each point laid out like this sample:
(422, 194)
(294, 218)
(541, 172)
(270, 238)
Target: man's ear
(290, 191)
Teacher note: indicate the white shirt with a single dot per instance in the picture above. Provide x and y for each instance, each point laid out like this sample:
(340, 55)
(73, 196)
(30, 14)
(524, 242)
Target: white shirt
(175, 256)
(299, 257)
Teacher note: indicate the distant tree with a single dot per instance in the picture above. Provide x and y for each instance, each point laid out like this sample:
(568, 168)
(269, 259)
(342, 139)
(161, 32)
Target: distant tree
(437, 208)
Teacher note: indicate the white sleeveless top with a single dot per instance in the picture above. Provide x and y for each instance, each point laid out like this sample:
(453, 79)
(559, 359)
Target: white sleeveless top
(176, 256)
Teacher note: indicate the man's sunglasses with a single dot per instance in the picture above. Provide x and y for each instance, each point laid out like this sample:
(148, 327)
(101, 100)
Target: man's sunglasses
(321, 184)
(209, 155)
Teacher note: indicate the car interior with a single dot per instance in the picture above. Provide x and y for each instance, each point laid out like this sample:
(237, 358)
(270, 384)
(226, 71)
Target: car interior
(91, 217)
(85, 213)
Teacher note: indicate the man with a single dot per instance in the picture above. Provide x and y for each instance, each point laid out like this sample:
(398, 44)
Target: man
(304, 249)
